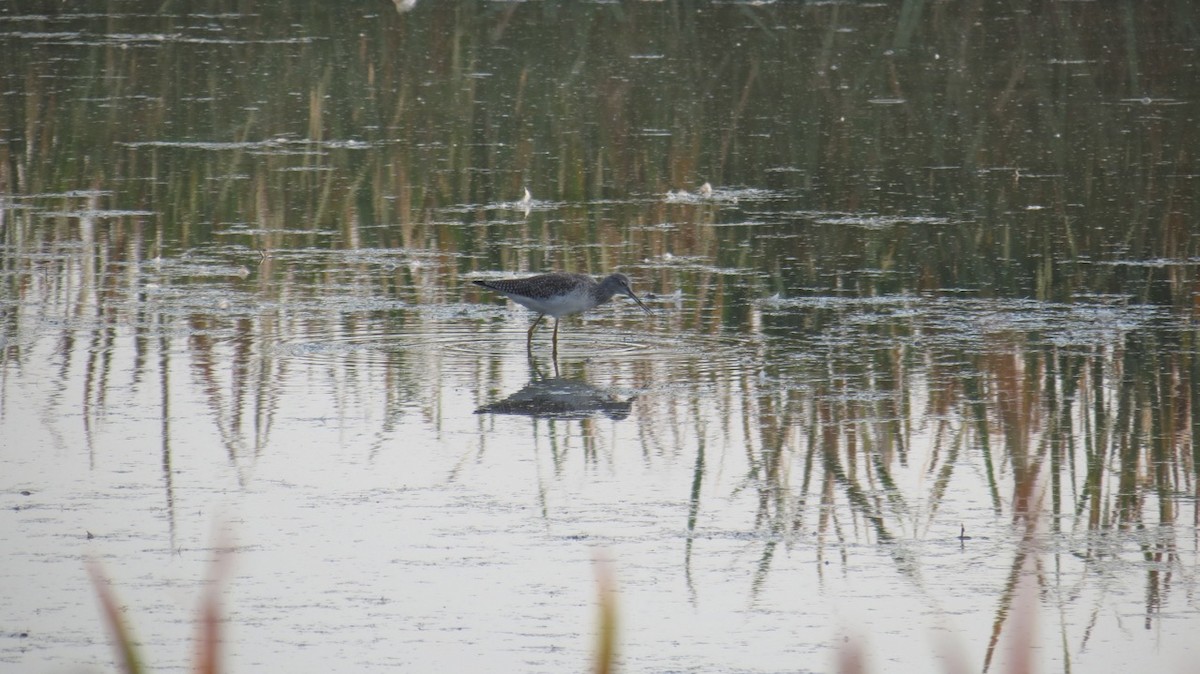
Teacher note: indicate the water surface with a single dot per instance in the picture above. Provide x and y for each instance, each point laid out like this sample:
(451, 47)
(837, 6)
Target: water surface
(920, 374)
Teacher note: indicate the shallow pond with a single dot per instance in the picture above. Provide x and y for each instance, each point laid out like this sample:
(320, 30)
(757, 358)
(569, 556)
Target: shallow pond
(918, 384)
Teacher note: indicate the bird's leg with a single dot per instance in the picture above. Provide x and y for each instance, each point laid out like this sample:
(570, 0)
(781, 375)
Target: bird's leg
(554, 349)
(534, 373)
(529, 338)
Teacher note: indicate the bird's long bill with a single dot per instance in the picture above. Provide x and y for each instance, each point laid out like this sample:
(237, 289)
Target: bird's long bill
(635, 299)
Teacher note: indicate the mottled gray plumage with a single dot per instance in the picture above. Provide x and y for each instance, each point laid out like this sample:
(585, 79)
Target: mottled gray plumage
(561, 294)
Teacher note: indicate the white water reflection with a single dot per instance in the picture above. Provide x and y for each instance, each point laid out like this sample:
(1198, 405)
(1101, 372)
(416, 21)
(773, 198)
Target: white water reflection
(382, 520)
(807, 474)
(234, 294)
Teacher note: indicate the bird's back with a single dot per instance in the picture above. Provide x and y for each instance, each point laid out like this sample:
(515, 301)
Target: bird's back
(557, 294)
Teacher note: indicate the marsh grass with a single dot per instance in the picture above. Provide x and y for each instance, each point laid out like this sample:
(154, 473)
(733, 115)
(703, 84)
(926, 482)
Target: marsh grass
(123, 641)
(205, 660)
(606, 629)
(851, 657)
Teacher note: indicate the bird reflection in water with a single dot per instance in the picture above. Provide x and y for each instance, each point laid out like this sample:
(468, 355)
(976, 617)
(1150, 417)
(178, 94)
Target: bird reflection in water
(561, 398)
